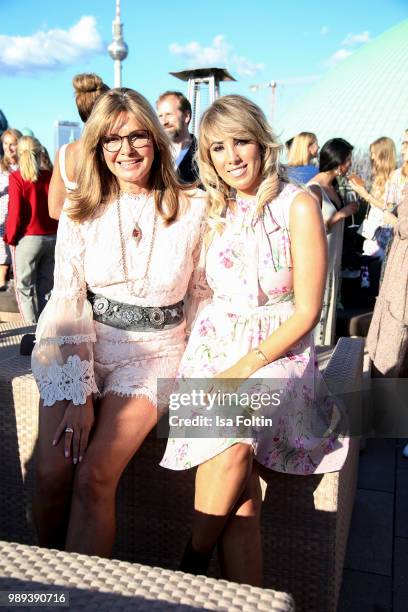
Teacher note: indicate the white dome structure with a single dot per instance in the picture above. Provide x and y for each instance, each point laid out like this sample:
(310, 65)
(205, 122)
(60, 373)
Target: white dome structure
(362, 98)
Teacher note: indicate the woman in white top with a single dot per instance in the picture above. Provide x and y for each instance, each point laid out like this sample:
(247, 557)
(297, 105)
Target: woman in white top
(128, 242)
(88, 88)
(334, 161)
(8, 164)
(383, 163)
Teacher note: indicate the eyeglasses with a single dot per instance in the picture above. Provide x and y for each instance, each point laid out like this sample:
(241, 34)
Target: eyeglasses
(137, 140)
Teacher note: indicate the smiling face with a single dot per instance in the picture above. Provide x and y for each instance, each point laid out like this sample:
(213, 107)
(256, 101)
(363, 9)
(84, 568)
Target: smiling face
(238, 163)
(130, 166)
(10, 148)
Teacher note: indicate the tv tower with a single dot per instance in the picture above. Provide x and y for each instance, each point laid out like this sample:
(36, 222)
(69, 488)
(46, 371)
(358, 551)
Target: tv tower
(118, 49)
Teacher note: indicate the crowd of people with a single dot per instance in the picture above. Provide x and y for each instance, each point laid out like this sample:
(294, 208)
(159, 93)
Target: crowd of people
(184, 258)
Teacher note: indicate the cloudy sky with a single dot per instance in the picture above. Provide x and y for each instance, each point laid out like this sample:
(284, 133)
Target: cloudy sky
(43, 44)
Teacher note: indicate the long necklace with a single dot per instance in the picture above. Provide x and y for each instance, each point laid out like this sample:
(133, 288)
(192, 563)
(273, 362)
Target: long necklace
(139, 237)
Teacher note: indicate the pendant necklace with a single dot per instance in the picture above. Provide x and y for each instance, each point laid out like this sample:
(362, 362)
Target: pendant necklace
(137, 235)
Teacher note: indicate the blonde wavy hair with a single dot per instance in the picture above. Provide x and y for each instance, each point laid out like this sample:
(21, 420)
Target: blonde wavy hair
(5, 162)
(383, 163)
(299, 154)
(236, 117)
(29, 151)
(404, 170)
(96, 184)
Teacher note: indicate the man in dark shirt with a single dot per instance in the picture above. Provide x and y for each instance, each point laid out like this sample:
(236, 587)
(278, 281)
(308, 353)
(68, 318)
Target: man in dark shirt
(174, 111)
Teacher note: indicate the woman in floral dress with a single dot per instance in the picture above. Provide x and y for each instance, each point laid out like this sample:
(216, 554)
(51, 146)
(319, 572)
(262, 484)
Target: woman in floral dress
(266, 264)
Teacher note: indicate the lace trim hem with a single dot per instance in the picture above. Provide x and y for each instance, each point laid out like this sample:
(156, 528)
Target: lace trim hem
(77, 339)
(72, 381)
(129, 392)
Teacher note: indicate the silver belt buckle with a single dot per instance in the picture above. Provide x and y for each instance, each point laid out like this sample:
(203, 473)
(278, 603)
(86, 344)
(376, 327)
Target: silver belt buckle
(156, 317)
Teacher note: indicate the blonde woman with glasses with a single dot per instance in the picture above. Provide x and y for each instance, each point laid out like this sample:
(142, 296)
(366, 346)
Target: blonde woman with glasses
(266, 263)
(127, 254)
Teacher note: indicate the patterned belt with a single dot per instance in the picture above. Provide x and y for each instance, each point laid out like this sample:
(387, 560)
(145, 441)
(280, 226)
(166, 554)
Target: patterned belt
(134, 318)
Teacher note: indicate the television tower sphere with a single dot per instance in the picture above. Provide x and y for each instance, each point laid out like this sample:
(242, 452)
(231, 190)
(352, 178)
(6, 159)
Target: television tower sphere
(118, 50)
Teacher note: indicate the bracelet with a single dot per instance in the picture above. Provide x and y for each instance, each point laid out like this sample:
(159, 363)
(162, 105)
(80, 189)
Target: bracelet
(261, 355)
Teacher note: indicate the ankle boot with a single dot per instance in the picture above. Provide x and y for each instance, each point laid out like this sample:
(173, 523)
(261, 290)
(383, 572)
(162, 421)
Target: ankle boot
(194, 562)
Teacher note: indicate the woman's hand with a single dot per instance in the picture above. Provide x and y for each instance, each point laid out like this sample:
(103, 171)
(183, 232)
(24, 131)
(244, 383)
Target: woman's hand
(359, 189)
(76, 426)
(349, 209)
(241, 370)
(389, 218)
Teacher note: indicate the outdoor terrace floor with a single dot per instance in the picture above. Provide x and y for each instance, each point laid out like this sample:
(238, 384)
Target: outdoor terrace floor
(375, 577)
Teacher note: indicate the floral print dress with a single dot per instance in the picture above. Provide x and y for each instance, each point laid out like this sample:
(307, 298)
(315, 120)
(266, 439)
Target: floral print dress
(249, 269)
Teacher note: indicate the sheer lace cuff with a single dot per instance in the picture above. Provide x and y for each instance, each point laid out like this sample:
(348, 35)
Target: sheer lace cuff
(74, 380)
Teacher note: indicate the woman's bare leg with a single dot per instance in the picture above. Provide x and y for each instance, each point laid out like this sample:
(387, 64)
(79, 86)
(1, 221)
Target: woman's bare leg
(121, 426)
(220, 483)
(54, 478)
(239, 547)
(3, 274)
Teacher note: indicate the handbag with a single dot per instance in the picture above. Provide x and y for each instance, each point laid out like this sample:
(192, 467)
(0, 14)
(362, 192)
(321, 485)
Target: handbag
(369, 226)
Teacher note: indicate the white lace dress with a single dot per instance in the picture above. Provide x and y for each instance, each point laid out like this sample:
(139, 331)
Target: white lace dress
(5, 256)
(74, 355)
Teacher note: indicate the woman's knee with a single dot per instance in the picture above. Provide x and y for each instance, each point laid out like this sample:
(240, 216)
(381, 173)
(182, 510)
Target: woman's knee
(93, 484)
(236, 457)
(53, 479)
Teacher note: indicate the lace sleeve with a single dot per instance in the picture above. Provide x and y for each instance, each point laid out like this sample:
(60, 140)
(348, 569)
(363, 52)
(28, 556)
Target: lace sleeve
(62, 360)
(198, 292)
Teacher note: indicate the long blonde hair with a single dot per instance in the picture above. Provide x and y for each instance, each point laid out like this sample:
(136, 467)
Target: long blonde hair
(96, 183)
(5, 161)
(299, 154)
(383, 162)
(404, 170)
(29, 151)
(236, 117)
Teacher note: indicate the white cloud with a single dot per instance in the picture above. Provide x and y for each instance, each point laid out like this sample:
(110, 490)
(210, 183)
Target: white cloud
(339, 56)
(244, 67)
(218, 54)
(356, 39)
(324, 30)
(351, 40)
(49, 49)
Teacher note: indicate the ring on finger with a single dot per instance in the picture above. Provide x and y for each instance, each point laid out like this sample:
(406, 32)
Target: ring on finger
(69, 430)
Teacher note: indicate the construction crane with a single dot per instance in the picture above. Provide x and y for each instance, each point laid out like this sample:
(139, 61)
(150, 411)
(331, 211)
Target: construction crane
(274, 84)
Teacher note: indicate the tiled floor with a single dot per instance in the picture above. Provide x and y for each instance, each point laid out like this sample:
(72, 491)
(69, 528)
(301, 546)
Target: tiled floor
(375, 577)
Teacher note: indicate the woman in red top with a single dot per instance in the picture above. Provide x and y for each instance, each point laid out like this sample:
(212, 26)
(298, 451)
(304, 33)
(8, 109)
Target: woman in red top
(31, 230)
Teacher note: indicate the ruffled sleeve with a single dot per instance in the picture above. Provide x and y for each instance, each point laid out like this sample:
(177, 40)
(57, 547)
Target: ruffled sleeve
(62, 360)
(198, 292)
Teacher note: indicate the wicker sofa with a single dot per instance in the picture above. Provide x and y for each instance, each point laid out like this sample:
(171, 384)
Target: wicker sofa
(305, 519)
(99, 584)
